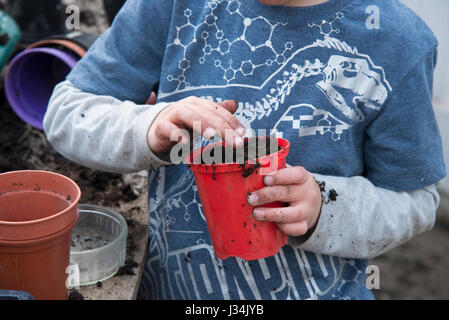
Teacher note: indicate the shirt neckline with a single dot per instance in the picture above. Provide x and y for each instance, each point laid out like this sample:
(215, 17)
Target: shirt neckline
(298, 15)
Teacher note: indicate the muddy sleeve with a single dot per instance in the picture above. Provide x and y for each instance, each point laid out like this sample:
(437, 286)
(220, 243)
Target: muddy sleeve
(101, 132)
(360, 220)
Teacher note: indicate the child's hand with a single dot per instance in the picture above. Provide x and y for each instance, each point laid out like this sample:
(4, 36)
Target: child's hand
(214, 119)
(298, 188)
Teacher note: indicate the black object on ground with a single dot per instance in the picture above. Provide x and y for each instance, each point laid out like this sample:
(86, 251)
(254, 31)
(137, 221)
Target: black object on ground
(37, 19)
(127, 268)
(75, 295)
(112, 7)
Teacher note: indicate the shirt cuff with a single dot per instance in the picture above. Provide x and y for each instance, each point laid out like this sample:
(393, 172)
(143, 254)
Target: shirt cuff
(143, 126)
(311, 241)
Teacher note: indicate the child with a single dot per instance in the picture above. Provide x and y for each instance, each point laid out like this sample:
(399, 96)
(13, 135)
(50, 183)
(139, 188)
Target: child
(348, 83)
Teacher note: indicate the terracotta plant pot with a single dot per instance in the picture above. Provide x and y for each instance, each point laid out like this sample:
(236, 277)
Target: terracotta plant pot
(76, 42)
(61, 44)
(223, 190)
(38, 210)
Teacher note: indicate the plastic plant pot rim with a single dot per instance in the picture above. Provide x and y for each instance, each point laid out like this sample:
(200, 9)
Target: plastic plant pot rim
(232, 167)
(83, 39)
(91, 208)
(69, 208)
(67, 44)
(38, 241)
(11, 81)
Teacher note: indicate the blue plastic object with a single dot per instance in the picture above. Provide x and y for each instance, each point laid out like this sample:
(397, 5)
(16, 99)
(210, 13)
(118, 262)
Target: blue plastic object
(15, 295)
(9, 37)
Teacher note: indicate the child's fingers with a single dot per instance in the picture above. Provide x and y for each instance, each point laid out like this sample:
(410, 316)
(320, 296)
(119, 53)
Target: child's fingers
(287, 193)
(280, 215)
(209, 124)
(152, 99)
(230, 105)
(294, 229)
(167, 133)
(223, 113)
(286, 176)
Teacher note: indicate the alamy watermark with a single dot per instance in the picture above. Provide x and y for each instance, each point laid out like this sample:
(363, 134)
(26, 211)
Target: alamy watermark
(372, 281)
(373, 20)
(73, 21)
(73, 276)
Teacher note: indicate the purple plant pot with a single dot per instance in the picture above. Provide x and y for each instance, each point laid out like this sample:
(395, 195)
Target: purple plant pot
(31, 78)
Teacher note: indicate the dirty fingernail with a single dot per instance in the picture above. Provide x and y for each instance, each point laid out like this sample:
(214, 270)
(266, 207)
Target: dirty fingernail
(209, 133)
(268, 180)
(241, 131)
(258, 214)
(252, 198)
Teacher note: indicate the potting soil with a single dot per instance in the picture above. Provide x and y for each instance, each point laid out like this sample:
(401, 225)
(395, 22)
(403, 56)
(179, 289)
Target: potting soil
(87, 239)
(250, 151)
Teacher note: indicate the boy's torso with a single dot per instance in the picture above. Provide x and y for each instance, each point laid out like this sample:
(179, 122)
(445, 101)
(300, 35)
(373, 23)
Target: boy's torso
(309, 81)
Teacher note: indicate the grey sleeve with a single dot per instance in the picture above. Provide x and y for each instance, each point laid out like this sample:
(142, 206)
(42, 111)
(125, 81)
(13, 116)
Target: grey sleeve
(360, 220)
(101, 132)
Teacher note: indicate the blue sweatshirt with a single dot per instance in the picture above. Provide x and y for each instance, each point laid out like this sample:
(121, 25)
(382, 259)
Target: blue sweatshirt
(348, 83)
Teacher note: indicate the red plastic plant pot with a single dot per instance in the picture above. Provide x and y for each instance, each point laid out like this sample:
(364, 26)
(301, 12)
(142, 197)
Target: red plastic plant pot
(224, 189)
(38, 210)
